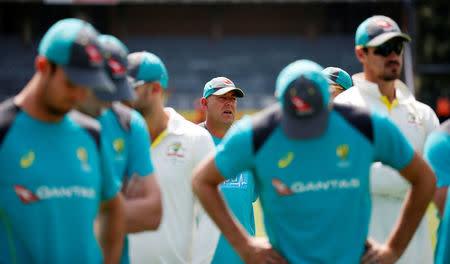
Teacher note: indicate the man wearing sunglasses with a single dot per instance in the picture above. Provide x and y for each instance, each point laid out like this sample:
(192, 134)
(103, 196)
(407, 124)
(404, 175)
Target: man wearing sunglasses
(379, 48)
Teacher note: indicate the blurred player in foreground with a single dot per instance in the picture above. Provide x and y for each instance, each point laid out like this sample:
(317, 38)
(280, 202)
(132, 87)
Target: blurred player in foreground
(128, 139)
(56, 168)
(311, 160)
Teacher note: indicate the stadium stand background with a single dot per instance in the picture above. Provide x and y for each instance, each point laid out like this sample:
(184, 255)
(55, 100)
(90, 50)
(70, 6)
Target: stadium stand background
(247, 41)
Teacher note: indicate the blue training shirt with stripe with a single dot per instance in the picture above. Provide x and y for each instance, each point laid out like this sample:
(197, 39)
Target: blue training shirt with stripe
(54, 176)
(127, 137)
(314, 192)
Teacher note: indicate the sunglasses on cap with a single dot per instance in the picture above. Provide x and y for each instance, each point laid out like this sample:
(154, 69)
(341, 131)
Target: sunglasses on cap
(386, 48)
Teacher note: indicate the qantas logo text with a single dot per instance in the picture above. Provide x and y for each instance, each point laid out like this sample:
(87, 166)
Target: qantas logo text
(53, 192)
(303, 187)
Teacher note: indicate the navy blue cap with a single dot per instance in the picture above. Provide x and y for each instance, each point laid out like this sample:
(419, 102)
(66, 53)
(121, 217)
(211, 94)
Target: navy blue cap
(115, 53)
(302, 90)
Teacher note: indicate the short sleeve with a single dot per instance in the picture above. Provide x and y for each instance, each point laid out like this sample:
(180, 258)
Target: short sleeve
(139, 160)
(111, 183)
(437, 153)
(391, 147)
(235, 152)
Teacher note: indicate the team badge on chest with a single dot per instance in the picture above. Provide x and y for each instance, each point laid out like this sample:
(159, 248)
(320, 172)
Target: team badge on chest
(176, 151)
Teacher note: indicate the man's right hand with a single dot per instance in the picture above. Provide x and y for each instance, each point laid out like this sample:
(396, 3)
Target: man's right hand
(377, 253)
(260, 251)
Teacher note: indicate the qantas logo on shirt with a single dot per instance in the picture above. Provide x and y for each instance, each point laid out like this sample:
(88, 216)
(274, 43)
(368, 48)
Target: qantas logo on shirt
(303, 187)
(281, 188)
(53, 192)
(25, 195)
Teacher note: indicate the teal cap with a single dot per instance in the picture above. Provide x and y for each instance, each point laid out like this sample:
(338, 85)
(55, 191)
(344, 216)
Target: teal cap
(73, 44)
(220, 86)
(376, 30)
(146, 67)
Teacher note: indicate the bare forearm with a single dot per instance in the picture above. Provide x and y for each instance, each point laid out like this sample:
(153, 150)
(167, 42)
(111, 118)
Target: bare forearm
(142, 214)
(112, 231)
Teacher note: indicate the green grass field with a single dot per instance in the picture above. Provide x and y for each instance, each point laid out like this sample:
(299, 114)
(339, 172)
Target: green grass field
(433, 221)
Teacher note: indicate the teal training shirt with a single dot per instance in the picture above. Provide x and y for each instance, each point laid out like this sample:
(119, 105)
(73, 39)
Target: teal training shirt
(128, 139)
(437, 153)
(314, 192)
(54, 176)
(239, 192)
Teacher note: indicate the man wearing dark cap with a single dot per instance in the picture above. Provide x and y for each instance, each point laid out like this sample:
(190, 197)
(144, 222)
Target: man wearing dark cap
(379, 47)
(338, 79)
(56, 168)
(311, 160)
(219, 102)
(128, 139)
(177, 147)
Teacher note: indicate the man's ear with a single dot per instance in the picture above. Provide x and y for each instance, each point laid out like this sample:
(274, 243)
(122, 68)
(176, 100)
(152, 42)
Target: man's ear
(360, 54)
(204, 103)
(42, 64)
(156, 87)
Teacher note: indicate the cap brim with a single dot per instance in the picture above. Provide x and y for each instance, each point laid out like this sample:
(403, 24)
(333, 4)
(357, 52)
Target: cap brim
(95, 79)
(124, 91)
(225, 90)
(305, 127)
(377, 41)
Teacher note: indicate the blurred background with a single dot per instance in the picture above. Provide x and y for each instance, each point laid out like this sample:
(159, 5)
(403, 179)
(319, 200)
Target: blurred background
(248, 41)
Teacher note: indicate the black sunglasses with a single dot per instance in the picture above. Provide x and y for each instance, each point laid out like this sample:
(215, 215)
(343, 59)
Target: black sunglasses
(386, 48)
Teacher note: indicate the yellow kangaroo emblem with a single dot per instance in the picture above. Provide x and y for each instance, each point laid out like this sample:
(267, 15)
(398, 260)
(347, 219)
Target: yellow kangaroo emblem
(342, 151)
(285, 161)
(118, 145)
(27, 160)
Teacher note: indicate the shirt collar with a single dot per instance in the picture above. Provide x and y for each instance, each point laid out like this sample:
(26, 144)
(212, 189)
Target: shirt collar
(402, 92)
